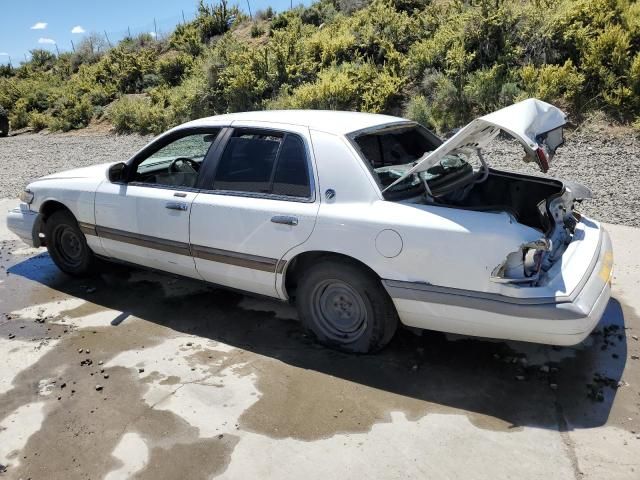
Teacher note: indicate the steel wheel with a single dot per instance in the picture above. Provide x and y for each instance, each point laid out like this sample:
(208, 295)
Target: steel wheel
(69, 245)
(340, 311)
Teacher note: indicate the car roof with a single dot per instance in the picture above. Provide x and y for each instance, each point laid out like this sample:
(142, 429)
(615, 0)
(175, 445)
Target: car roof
(331, 121)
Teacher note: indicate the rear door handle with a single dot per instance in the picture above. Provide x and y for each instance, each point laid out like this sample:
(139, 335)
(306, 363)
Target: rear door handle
(285, 220)
(176, 206)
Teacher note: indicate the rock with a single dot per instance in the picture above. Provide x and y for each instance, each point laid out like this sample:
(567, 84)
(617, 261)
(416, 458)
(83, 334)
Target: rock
(140, 370)
(106, 375)
(98, 388)
(11, 336)
(87, 351)
(100, 362)
(189, 344)
(62, 385)
(553, 386)
(91, 290)
(635, 357)
(220, 436)
(520, 377)
(80, 350)
(635, 337)
(544, 369)
(414, 368)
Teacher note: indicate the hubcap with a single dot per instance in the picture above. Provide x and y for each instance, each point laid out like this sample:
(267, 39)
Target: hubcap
(340, 311)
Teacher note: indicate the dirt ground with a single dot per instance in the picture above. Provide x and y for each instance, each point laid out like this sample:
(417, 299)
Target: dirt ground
(141, 375)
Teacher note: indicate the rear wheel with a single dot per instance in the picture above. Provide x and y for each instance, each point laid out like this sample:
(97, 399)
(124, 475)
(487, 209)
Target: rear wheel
(346, 307)
(67, 245)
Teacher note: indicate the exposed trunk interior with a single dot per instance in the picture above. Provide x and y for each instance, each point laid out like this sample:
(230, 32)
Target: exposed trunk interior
(520, 195)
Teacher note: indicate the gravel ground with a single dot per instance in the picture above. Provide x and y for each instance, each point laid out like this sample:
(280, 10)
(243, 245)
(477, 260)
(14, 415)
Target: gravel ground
(606, 161)
(28, 156)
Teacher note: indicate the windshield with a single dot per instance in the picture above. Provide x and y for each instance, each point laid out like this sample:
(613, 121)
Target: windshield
(390, 152)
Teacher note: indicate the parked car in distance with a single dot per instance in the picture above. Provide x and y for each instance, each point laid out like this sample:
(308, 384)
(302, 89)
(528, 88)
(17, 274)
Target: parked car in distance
(362, 220)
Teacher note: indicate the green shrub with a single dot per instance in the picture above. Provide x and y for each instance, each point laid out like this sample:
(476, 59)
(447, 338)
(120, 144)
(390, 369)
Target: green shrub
(351, 86)
(137, 114)
(19, 116)
(174, 66)
(70, 112)
(552, 83)
(39, 121)
(417, 109)
(256, 30)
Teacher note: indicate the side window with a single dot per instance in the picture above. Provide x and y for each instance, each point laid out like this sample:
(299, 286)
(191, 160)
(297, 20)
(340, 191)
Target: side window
(261, 162)
(247, 163)
(292, 175)
(176, 164)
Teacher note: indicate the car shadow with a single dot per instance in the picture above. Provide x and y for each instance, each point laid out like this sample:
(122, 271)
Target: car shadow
(517, 383)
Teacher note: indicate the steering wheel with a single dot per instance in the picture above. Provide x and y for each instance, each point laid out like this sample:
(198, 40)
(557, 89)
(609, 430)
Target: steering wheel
(184, 165)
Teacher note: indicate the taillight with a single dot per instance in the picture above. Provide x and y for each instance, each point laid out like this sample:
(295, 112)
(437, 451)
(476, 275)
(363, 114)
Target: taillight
(543, 160)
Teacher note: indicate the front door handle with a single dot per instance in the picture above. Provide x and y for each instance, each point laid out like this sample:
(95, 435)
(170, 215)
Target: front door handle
(176, 206)
(285, 220)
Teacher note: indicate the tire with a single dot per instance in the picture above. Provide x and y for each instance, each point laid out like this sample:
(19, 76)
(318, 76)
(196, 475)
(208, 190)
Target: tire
(345, 307)
(67, 245)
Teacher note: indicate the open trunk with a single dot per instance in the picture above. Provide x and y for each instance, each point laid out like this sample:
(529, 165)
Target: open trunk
(412, 165)
(523, 196)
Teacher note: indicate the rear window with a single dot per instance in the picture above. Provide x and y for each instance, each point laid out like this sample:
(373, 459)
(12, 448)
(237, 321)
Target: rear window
(264, 162)
(396, 146)
(391, 152)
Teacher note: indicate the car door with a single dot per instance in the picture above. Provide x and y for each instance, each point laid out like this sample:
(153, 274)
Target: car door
(145, 218)
(259, 202)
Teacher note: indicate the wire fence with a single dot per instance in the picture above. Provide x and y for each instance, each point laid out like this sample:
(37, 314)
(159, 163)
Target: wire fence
(159, 28)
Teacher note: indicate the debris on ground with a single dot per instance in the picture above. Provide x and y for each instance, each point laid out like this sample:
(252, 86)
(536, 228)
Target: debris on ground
(98, 388)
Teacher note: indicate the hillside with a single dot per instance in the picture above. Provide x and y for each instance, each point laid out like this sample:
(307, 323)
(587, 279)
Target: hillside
(440, 62)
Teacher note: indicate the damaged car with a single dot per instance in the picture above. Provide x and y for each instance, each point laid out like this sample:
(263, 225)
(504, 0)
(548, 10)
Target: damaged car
(363, 221)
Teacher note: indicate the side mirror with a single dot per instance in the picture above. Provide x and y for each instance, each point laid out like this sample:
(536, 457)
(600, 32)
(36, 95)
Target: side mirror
(117, 172)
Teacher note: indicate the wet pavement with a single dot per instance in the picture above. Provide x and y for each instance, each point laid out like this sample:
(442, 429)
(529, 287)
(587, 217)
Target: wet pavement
(134, 374)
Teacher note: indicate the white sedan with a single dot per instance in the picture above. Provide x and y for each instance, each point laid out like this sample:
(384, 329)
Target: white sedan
(362, 220)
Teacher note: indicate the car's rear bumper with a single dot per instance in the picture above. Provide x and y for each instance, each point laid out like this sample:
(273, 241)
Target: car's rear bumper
(555, 321)
(25, 224)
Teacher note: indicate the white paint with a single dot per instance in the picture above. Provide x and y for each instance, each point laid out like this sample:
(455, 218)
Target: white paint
(16, 429)
(436, 446)
(133, 453)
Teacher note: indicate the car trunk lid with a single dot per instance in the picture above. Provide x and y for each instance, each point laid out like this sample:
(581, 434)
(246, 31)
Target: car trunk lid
(535, 124)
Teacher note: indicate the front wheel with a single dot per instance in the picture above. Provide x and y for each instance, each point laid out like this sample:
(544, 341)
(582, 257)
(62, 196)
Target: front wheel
(67, 245)
(346, 307)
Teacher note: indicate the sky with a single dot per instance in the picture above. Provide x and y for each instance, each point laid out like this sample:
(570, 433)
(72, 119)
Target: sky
(29, 24)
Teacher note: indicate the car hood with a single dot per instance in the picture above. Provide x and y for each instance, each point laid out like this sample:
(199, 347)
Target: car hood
(94, 171)
(535, 124)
